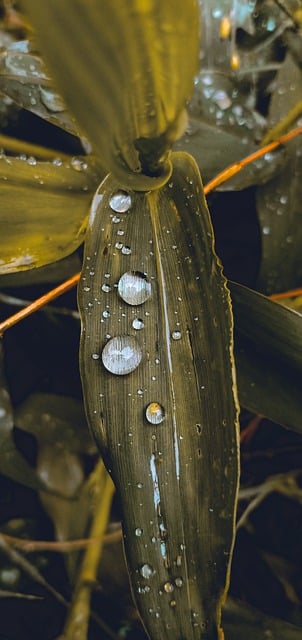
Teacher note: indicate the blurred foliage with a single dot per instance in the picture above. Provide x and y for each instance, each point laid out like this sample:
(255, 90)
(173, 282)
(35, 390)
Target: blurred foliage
(249, 81)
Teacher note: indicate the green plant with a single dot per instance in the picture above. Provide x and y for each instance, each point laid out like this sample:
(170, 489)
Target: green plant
(267, 353)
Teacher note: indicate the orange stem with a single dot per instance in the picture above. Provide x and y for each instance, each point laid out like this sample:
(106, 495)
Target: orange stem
(63, 547)
(222, 177)
(286, 294)
(39, 303)
(235, 168)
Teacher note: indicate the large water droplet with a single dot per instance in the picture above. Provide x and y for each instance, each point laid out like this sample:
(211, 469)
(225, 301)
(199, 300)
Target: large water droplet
(121, 355)
(120, 202)
(134, 288)
(155, 413)
(147, 571)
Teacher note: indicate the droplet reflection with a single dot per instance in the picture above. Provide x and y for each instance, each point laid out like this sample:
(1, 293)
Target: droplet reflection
(120, 202)
(134, 288)
(146, 571)
(155, 413)
(121, 355)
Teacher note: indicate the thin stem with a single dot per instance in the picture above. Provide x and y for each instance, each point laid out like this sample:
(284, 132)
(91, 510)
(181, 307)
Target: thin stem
(235, 168)
(39, 303)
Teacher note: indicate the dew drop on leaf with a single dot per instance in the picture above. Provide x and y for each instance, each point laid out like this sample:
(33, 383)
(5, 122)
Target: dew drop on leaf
(120, 202)
(146, 571)
(134, 288)
(155, 413)
(121, 355)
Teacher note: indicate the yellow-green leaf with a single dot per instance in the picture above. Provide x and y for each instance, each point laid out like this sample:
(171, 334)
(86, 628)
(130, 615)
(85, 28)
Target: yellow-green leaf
(43, 206)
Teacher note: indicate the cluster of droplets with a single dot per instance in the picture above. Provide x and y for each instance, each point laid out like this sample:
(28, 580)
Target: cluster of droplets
(122, 354)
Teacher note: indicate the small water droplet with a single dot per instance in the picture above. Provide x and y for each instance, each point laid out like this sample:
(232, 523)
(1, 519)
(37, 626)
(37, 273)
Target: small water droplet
(105, 287)
(95, 356)
(106, 314)
(146, 571)
(118, 245)
(86, 289)
(266, 230)
(138, 532)
(140, 392)
(78, 164)
(120, 201)
(138, 324)
(121, 355)
(173, 603)
(120, 232)
(139, 485)
(134, 288)
(116, 219)
(168, 587)
(176, 335)
(31, 161)
(155, 413)
(178, 582)
(126, 250)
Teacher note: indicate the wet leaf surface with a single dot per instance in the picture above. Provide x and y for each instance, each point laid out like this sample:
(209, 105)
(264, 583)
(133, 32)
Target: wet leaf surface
(244, 87)
(24, 79)
(43, 209)
(279, 201)
(268, 351)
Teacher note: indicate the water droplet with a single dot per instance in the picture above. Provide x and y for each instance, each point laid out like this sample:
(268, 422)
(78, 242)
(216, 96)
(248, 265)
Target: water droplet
(32, 161)
(120, 232)
(178, 582)
(86, 289)
(266, 230)
(139, 485)
(146, 571)
(95, 356)
(173, 603)
(168, 587)
(138, 532)
(134, 288)
(176, 335)
(140, 392)
(121, 355)
(119, 245)
(120, 202)
(155, 413)
(116, 219)
(78, 164)
(105, 287)
(126, 250)
(106, 314)
(138, 324)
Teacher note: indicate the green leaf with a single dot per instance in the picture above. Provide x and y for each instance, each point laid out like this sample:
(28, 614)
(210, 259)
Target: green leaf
(160, 395)
(43, 206)
(126, 71)
(214, 148)
(268, 350)
(24, 78)
(279, 201)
